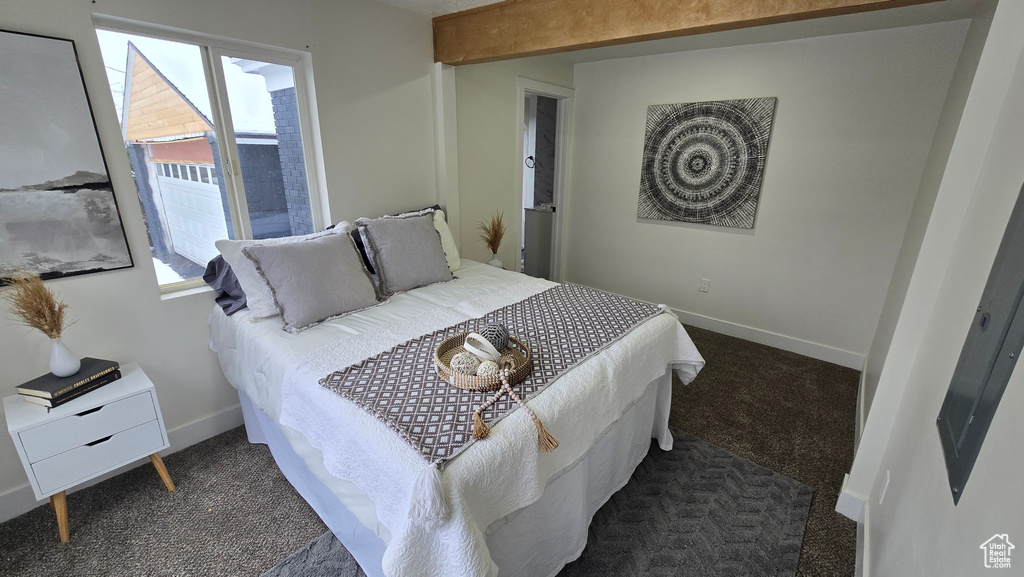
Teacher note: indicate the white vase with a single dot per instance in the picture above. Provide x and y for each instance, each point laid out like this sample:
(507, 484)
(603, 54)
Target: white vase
(495, 262)
(63, 362)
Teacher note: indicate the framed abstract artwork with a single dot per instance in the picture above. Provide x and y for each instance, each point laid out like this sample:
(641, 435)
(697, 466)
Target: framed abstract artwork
(58, 214)
(703, 161)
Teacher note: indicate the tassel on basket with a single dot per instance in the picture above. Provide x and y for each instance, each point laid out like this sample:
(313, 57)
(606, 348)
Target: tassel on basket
(547, 442)
(514, 367)
(481, 430)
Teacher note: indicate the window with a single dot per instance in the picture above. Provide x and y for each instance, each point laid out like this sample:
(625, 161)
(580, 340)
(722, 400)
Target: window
(212, 128)
(994, 342)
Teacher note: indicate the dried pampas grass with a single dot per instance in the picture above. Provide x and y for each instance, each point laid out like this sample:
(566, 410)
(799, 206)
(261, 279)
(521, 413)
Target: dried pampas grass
(492, 233)
(35, 305)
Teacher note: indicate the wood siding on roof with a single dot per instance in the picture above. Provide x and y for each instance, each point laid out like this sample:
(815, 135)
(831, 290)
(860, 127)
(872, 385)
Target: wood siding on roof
(157, 110)
(517, 28)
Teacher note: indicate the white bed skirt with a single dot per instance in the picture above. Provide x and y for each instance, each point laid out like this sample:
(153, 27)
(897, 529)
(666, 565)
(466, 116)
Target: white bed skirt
(535, 541)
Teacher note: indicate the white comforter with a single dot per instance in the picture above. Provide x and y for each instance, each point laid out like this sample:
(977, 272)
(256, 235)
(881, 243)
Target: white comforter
(478, 485)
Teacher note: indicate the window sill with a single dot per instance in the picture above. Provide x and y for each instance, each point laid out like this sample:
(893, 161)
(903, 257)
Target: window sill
(183, 290)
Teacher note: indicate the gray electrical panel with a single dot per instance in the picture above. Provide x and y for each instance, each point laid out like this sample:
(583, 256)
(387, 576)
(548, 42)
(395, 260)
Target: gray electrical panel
(986, 362)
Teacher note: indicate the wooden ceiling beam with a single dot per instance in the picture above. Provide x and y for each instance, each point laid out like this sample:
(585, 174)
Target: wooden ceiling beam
(519, 28)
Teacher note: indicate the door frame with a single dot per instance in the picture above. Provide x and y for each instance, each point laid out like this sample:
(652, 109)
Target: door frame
(563, 130)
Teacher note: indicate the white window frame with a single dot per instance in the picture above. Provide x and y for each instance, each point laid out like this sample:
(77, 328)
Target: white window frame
(211, 49)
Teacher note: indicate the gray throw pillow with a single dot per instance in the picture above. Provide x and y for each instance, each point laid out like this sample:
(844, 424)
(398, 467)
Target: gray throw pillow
(314, 280)
(257, 293)
(407, 252)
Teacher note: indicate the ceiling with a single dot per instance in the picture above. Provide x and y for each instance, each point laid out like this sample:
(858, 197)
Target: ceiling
(943, 11)
(433, 8)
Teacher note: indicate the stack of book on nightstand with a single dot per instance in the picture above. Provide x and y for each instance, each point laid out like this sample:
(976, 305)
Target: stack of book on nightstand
(52, 391)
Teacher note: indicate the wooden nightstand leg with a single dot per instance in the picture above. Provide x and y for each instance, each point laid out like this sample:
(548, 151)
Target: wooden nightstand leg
(159, 464)
(60, 505)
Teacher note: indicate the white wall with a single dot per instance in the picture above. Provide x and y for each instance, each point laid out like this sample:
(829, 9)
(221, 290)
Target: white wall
(917, 530)
(488, 159)
(854, 124)
(949, 121)
(372, 65)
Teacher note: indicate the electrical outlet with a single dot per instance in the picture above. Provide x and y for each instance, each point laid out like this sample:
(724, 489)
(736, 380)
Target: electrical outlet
(705, 285)
(881, 497)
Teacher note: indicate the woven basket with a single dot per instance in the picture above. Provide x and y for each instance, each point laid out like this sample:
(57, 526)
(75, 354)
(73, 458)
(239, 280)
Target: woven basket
(516, 357)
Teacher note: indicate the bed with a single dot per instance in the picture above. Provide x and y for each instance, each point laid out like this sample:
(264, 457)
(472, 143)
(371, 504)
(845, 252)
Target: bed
(511, 509)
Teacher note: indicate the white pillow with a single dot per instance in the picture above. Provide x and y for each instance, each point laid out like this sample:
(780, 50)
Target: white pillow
(451, 252)
(258, 296)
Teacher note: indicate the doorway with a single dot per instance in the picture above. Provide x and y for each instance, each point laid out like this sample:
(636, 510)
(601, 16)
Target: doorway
(543, 111)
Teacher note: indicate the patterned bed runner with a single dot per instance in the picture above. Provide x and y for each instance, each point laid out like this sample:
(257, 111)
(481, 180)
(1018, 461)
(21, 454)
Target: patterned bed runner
(563, 326)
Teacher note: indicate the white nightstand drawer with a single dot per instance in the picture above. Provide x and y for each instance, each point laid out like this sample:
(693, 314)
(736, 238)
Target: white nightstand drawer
(84, 462)
(55, 437)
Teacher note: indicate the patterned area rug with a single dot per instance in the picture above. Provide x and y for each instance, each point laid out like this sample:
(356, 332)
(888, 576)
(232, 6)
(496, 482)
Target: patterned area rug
(695, 510)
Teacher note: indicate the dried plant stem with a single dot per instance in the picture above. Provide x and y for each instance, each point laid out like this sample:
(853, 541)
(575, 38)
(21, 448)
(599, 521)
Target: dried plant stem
(35, 305)
(492, 232)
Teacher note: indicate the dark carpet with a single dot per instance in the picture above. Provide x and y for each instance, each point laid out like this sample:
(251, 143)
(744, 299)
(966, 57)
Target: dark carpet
(790, 413)
(696, 510)
(235, 514)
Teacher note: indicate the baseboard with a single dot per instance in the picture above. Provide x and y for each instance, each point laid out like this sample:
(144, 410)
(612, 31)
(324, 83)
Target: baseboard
(21, 500)
(17, 501)
(821, 352)
(201, 429)
(850, 504)
(861, 568)
(862, 413)
(841, 357)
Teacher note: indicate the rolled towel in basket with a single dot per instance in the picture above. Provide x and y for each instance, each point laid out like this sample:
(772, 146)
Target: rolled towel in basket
(481, 347)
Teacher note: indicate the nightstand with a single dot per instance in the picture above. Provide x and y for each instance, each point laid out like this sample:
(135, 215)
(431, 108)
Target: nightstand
(87, 437)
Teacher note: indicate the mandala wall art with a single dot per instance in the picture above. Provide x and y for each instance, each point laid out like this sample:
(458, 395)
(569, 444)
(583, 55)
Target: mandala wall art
(703, 161)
